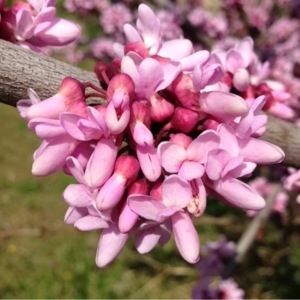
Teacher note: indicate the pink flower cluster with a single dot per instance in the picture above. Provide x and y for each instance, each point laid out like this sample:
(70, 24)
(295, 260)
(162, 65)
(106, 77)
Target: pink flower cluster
(164, 134)
(34, 25)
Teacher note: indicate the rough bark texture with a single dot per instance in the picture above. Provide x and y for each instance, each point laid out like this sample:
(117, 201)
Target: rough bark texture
(21, 69)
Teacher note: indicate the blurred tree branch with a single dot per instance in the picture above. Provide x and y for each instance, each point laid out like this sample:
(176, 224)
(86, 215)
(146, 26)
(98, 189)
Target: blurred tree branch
(21, 69)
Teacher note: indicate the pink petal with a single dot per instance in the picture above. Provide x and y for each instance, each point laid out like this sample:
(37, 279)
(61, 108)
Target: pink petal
(79, 128)
(171, 156)
(216, 161)
(149, 162)
(176, 192)
(222, 105)
(178, 49)
(191, 170)
(75, 168)
(77, 195)
(74, 214)
(61, 32)
(241, 79)
(141, 134)
(131, 34)
(186, 237)
(228, 140)
(110, 245)
(145, 206)
(116, 123)
(46, 128)
(234, 61)
(53, 156)
(206, 75)
(88, 223)
(245, 49)
(147, 239)
(101, 163)
(148, 24)
(189, 62)
(260, 152)
(205, 142)
(239, 194)
(49, 108)
(111, 192)
(127, 219)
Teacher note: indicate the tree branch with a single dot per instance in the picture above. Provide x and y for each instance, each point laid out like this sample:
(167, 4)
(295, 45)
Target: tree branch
(21, 69)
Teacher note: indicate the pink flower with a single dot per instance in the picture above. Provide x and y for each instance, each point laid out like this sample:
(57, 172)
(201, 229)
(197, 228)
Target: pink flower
(69, 98)
(36, 26)
(188, 162)
(125, 172)
(176, 195)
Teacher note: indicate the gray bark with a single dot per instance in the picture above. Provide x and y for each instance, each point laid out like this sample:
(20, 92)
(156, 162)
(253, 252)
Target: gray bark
(21, 69)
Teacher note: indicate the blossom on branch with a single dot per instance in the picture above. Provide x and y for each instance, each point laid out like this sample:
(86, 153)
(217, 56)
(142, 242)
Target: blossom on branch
(163, 133)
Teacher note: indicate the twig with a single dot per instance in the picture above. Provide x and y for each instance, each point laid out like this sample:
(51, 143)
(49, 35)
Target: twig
(249, 234)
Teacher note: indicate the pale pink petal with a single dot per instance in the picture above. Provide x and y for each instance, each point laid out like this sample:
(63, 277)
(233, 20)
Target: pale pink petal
(150, 164)
(205, 142)
(116, 123)
(260, 152)
(141, 134)
(127, 218)
(79, 128)
(245, 49)
(49, 108)
(186, 237)
(61, 32)
(148, 25)
(190, 170)
(75, 168)
(24, 29)
(88, 223)
(189, 62)
(46, 128)
(74, 214)
(206, 75)
(239, 194)
(53, 156)
(216, 161)
(110, 245)
(147, 239)
(222, 105)
(145, 206)
(131, 34)
(77, 195)
(171, 156)
(241, 170)
(241, 79)
(176, 192)
(228, 140)
(111, 192)
(177, 49)
(101, 163)
(234, 61)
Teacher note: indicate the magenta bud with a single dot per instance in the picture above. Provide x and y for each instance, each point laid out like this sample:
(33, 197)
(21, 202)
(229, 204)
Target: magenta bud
(119, 82)
(181, 139)
(127, 166)
(161, 109)
(184, 119)
(183, 88)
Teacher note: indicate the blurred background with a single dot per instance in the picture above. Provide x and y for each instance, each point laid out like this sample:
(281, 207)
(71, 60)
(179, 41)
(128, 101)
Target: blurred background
(41, 257)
